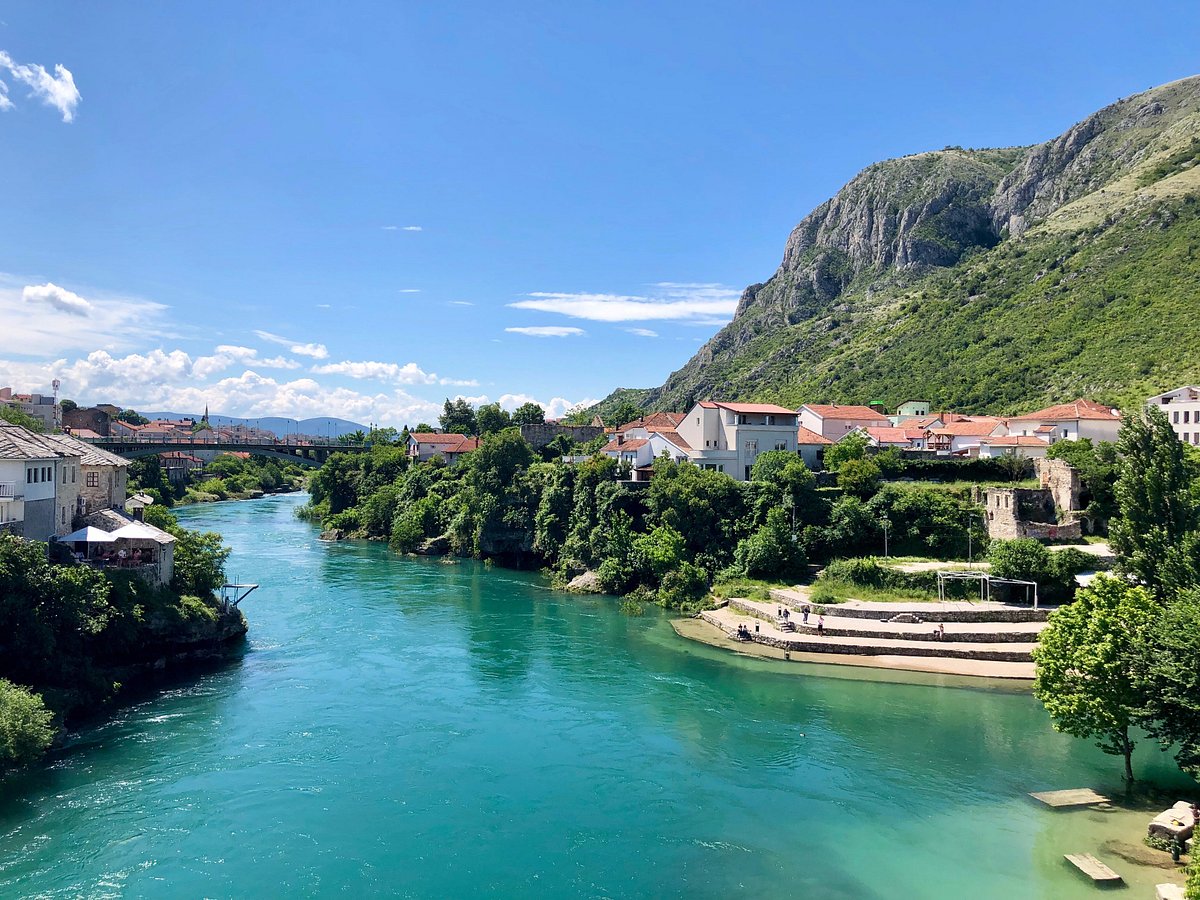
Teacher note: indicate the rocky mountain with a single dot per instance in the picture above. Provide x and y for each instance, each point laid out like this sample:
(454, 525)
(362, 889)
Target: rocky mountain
(988, 279)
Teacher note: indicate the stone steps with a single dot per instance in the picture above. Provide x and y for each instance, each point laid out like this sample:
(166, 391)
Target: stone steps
(839, 626)
(728, 619)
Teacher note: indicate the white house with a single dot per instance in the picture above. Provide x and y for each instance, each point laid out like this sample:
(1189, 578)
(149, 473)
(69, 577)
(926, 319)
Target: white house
(423, 446)
(899, 436)
(635, 452)
(1069, 422)
(39, 484)
(834, 421)
(1182, 409)
(811, 446)
(911, 409)
(962, 436)
(727, 437)
(1024, 446)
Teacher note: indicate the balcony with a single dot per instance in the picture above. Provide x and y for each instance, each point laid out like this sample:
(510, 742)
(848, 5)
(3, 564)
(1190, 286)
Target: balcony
(8, 491)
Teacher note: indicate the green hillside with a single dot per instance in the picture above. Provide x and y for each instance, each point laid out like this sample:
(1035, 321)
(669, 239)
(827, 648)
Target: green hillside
(989, 280)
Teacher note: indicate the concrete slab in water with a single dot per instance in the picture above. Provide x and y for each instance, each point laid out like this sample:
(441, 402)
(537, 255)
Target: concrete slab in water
(1092, 867)
(1075, 797)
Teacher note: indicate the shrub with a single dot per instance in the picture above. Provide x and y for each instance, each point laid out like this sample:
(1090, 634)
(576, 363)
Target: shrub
(25, 729)
(859, 477)
(683, 586)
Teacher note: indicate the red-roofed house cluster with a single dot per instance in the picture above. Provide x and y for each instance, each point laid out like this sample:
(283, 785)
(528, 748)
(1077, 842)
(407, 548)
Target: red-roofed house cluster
(728, 437)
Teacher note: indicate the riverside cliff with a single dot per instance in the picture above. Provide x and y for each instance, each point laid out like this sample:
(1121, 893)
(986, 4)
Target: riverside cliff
(988, 279)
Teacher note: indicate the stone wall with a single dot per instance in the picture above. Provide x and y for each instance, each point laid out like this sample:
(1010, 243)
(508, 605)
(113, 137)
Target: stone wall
(1027, 512)
(1061, 479)
(539, 436)
(96, 420)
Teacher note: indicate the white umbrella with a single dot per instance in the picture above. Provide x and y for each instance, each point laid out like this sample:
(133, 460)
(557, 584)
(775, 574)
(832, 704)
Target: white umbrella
(143, 532)
(90, 534)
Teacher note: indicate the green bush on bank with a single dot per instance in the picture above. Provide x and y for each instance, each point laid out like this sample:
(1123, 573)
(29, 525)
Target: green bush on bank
(26, 729)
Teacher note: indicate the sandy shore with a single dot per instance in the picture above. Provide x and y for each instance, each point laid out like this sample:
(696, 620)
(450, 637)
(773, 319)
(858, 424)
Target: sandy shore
(706, 633)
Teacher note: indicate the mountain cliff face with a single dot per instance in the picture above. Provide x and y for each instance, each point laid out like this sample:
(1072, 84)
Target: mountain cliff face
(983, 278)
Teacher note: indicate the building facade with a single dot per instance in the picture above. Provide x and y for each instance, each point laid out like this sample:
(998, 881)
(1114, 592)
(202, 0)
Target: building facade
(728, 437)
(1182, 409)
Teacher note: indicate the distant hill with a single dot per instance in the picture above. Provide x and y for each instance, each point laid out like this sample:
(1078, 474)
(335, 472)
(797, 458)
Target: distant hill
(988, 280)
(321, 425)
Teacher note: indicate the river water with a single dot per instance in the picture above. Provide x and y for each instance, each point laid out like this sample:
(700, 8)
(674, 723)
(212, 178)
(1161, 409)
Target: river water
(403, 727)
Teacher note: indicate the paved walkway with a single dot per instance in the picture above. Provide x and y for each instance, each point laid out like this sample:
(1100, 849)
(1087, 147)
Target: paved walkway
(801, 595)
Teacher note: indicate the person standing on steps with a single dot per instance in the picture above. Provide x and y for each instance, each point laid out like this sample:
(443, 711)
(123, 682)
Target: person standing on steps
(821, 625)
(804, 614)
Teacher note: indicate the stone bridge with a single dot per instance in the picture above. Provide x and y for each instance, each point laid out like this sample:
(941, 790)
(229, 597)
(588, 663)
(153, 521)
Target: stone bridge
(311, 455)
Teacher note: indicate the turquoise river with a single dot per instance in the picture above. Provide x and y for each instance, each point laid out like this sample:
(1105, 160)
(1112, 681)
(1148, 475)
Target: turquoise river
(400, 727)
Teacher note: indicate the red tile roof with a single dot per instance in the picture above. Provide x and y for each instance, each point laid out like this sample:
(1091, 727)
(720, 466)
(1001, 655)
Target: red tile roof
(675, 438)
(837, 411)
(1080, 409)
(805, 438)
(430, 437)
(658, 420)
(890, 435)
(466, 445)
(614, 446)
(978, 427)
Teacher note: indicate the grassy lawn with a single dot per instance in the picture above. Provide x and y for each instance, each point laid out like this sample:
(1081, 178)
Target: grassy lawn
(747, 588)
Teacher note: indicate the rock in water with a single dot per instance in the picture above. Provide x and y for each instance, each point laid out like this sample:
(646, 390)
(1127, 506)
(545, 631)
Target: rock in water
(587, 583)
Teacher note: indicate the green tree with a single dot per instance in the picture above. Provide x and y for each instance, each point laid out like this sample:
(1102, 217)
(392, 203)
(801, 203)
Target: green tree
(529, 414)
(458, 417)
(1170, 677)
(490, 418)
(18, 416)
(772, 551)
(25, 725)
(1024, 559)
(133, 417)
(859, 477)
(67, 405)
(199, 555)
(623, 413)
(852, 446)
(1087, 659)
(1154, 533)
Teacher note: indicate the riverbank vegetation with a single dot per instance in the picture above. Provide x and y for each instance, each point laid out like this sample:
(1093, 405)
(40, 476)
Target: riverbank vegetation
(1124, 654)
(669, 541)
(227, 477)
(69, 634)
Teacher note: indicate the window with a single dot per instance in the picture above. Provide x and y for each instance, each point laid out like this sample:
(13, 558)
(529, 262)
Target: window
(780, 445)
(1186, 415)
(770, 420)
(1175, 417)
(29, 476)
(752, 445)
(1064, 433)
(72, 474)
(93, 479)
(64, 515)
(65, 474)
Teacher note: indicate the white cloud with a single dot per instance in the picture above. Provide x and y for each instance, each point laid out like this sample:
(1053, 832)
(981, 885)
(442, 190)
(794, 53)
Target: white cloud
(392, 373)
(5, 103)
(159, 379)
(642, 332)
(227, 355)
(46, 320)
(409, 373)
(409, 291)
(316, 351)
(460, 303)
(547, 331)
(57, 90)
(672, 301)
(412, 228)
(58, 298)
(390, 227)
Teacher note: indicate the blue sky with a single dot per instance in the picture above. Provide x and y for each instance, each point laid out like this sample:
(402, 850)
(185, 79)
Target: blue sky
(358, 209)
